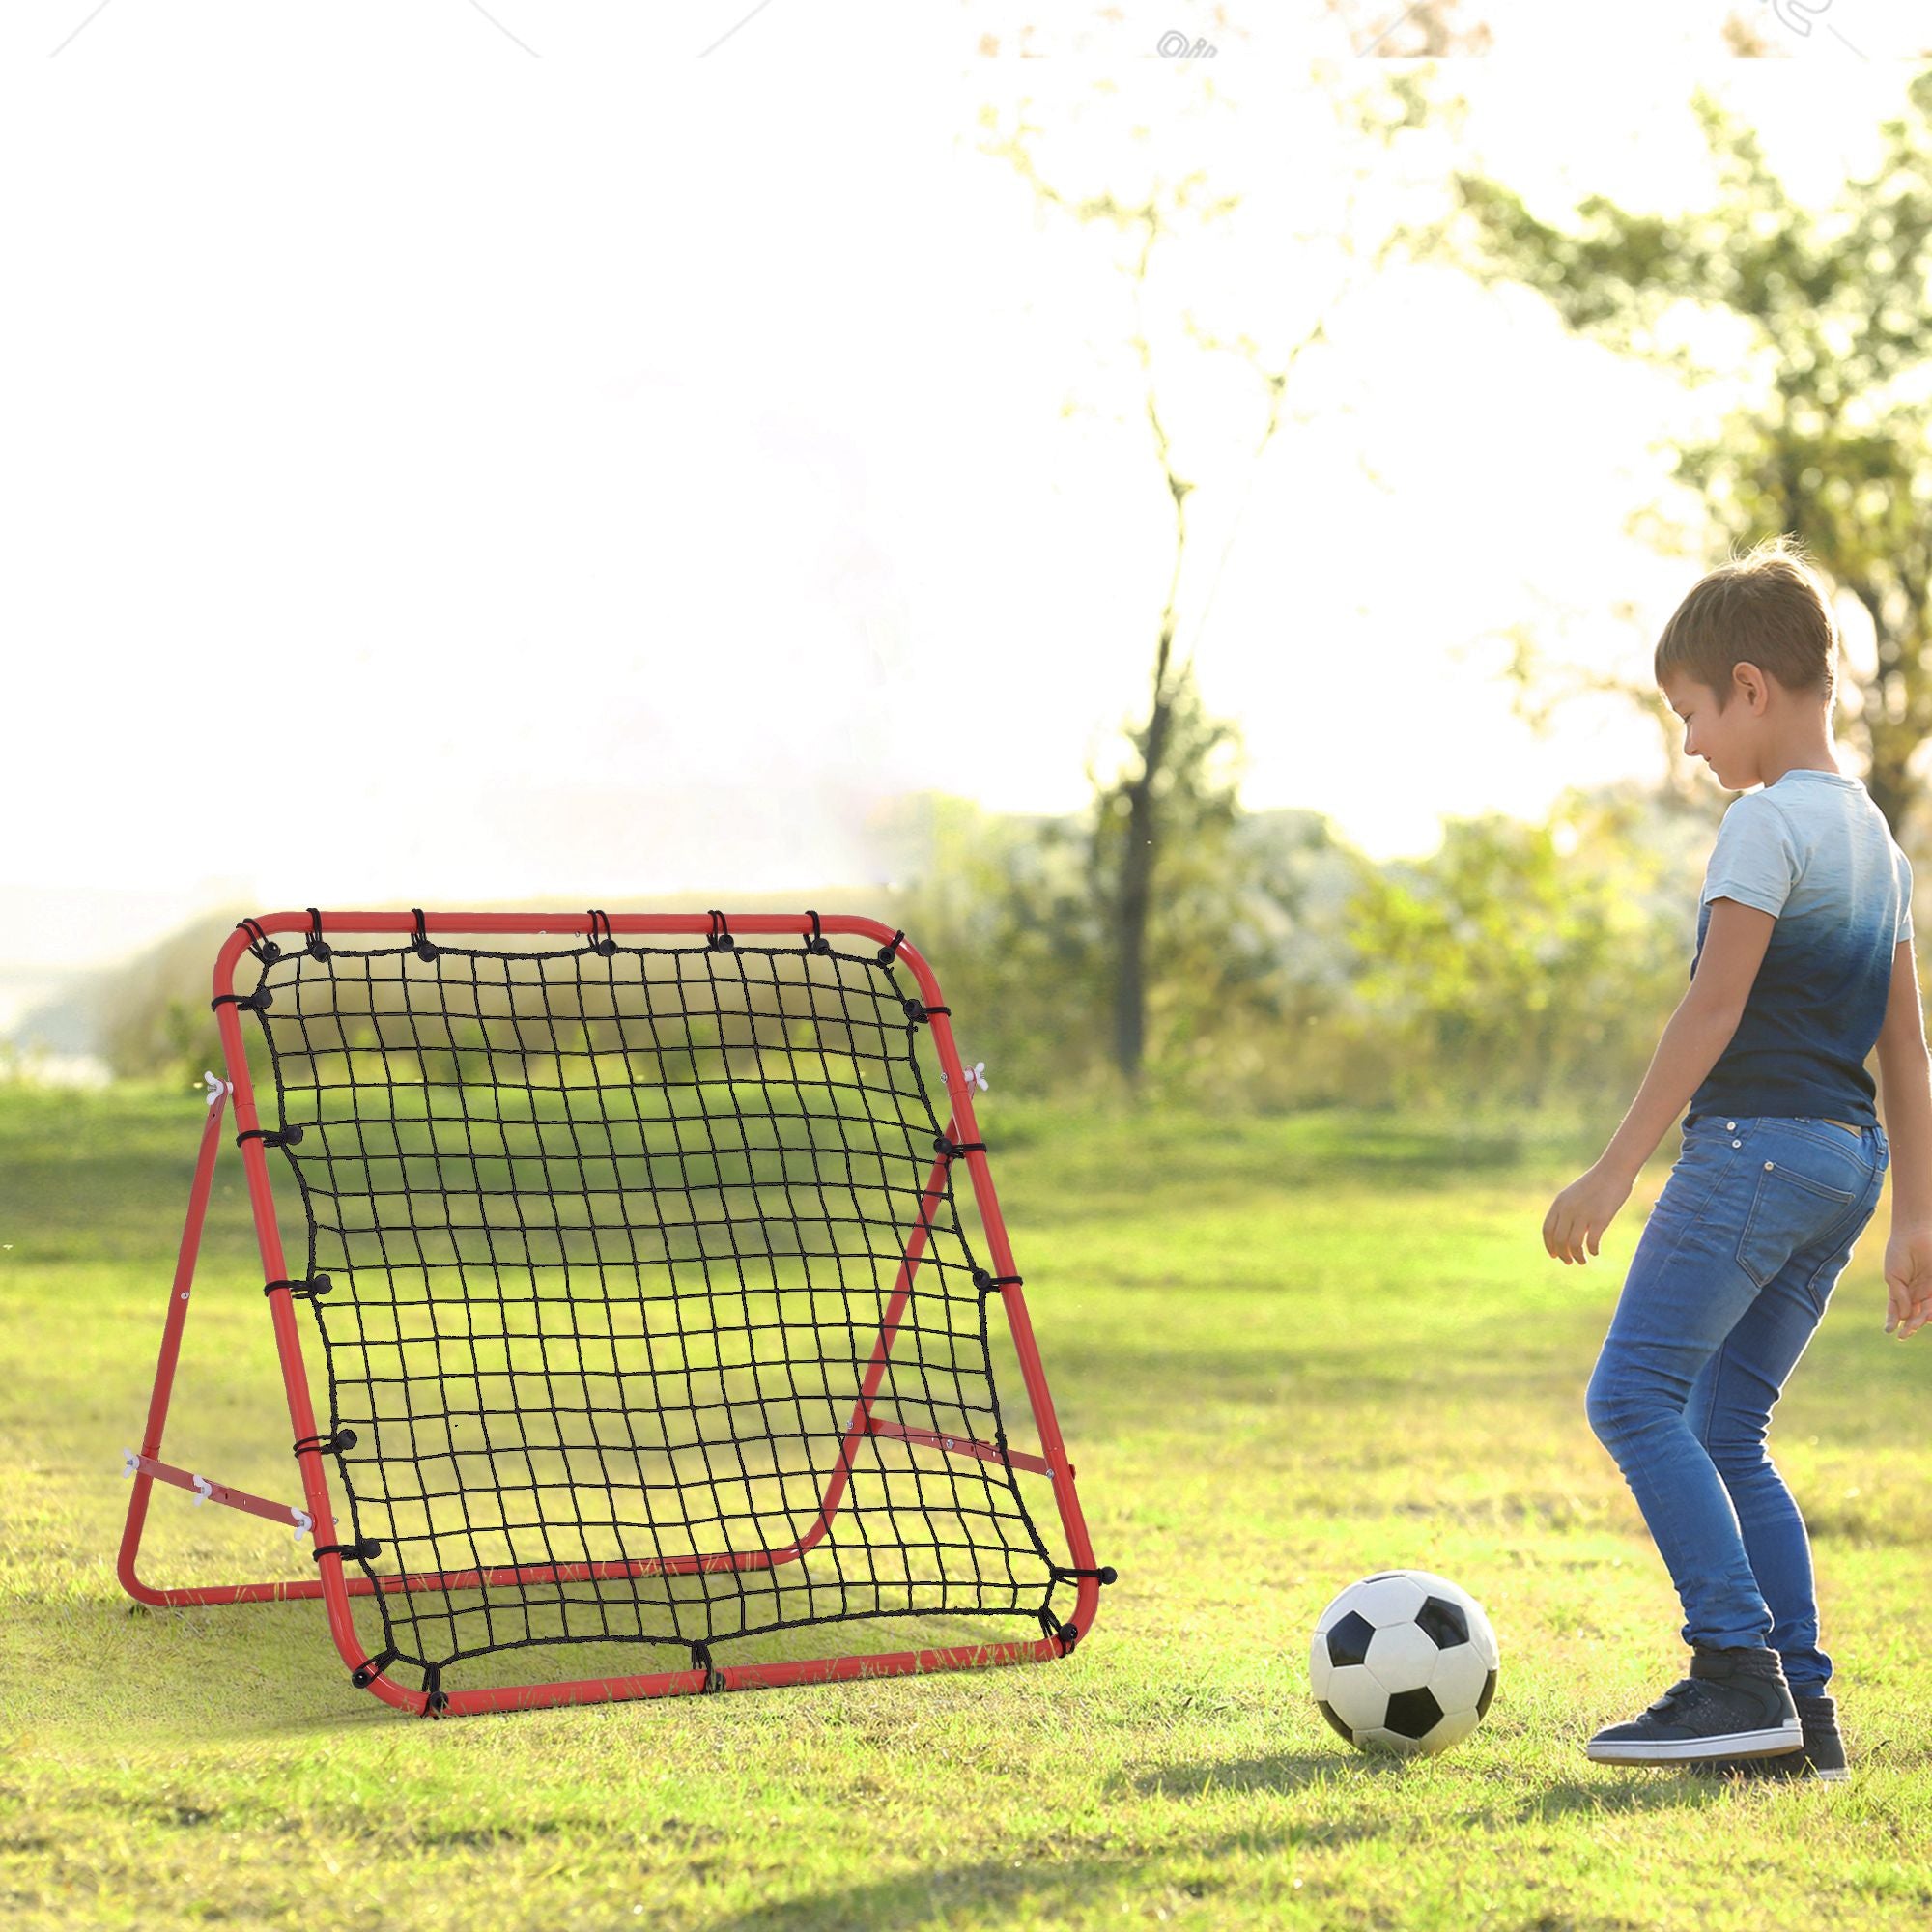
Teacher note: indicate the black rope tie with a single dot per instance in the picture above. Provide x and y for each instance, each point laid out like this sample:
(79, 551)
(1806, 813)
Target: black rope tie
(700, 1659)
(947, 1149)
(436, 1699)
(991, 1284)
(889, 951)
(363, 1550)
(270, 1136)
(917, 1010)
(601, 938)
(305, 1290)
(260, 944)
(1106, 1574)
(249, 1003)
(816, 941)
(327, 1445)
(720, 941)
(318, 947)
(365, 1675)
(419, 942)
(1067, 1636)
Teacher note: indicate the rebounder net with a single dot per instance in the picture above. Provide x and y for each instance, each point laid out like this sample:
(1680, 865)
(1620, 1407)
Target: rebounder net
(602, 1240)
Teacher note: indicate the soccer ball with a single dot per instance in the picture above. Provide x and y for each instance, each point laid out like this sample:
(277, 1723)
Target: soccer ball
(1403, 1660)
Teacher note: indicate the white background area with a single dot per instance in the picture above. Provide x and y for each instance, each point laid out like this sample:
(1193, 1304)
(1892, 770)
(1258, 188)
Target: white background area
(437, 471)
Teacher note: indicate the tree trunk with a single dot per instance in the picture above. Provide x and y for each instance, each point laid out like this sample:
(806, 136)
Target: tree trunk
(1136, 884)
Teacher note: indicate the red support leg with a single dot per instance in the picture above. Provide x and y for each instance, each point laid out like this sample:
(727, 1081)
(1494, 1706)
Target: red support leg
(171, 1337)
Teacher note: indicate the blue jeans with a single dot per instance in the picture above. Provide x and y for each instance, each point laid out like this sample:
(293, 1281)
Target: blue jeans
(1728, 1282)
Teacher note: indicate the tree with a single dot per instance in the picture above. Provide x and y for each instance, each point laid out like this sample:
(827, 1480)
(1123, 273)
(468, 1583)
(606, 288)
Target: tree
(1828, 441)
(1133, 828)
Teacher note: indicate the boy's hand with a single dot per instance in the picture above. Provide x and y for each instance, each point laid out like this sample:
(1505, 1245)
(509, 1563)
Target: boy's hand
(1580, 1213)
(1908, 1280)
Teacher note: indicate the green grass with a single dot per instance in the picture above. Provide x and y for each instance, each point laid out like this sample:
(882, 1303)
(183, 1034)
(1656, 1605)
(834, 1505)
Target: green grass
(1286, 1351)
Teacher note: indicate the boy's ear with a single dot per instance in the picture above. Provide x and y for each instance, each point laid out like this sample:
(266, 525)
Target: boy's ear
(1754, 686)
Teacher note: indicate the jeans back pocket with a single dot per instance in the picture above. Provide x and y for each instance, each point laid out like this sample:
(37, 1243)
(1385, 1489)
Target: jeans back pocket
(1789, 1210)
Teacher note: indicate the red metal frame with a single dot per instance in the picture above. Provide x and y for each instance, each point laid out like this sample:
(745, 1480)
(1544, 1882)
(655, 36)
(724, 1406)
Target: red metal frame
(335, 1587)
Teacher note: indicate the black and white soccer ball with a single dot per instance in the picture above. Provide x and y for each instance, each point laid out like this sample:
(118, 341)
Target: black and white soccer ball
(1403, 1660)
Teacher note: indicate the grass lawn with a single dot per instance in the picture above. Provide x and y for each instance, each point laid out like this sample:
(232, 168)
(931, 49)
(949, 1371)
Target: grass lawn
(1286, 1353)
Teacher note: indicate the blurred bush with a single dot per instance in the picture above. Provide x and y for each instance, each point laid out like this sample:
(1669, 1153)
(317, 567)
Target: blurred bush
(1521, 965)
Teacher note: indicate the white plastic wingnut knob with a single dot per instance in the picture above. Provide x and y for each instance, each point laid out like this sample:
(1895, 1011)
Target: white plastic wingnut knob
(203, 1488)
(131, 1463)
(305, 1523)
(217, 1088)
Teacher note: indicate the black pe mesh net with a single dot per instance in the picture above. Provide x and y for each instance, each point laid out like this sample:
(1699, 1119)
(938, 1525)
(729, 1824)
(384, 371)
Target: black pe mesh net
(601, 1238)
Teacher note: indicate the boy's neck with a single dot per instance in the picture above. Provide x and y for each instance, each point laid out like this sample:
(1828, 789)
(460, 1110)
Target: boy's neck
(1797, 744)
(1822, 756)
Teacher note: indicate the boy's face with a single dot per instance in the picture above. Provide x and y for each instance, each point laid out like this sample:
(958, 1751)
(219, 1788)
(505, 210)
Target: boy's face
(1725, 740)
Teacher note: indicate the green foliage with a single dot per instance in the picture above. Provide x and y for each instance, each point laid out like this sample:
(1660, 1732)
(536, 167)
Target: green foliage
(1828, 335)
(1522, 961)
(1286, 969)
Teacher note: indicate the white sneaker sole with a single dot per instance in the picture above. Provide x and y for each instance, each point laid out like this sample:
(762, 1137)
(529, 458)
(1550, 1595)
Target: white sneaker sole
(1684, 1750)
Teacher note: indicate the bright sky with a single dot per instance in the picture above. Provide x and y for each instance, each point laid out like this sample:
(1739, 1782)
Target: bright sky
(440, 474)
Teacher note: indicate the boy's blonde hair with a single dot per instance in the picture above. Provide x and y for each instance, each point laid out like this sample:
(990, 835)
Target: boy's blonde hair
(1767, 607)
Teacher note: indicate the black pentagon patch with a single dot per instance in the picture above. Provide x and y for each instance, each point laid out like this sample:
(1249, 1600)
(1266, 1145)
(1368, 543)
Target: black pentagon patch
(1349, 1640)
(1489, 1692)
(1335, 1723)
(1445, 1622)
(1413, 1713)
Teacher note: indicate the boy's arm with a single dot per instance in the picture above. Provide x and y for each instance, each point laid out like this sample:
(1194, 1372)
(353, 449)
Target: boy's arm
(1905, 1088)
(1697, 1034)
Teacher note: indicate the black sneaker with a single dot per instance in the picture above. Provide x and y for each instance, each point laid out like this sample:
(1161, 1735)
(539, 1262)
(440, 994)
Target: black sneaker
(1821, 1756)
(1735, 1704)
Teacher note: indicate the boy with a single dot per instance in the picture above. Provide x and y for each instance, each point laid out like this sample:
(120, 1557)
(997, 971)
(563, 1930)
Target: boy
(1803, 963)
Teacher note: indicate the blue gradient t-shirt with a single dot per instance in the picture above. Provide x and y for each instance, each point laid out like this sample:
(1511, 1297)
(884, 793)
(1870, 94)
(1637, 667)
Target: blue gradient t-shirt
(1814, 852)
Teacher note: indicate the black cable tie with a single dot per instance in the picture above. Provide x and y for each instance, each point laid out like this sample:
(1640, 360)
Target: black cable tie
(327, 1445)
(318, 947)
(363, 1549)
(917, 1010)
(601, 939)
(948, 1149)
(419, 943)
(260, 944)
(887, 951)
(700, 1659)
(436, 1699)
(1106, 1574)
(817, 941)
(249, 1002)
(365, 1675)
(301, 1291)
(991, 1284)
(270, 1136)
(1067, 1636)
(720, 941)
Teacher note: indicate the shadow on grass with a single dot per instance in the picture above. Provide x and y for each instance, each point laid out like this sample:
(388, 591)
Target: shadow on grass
(1292, 1771)
(272, 1669)
(1016, 1890)
(1000, 1893)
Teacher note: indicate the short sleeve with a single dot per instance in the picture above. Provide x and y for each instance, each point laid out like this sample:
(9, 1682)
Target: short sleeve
(1755, 859)
(1903, 931)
